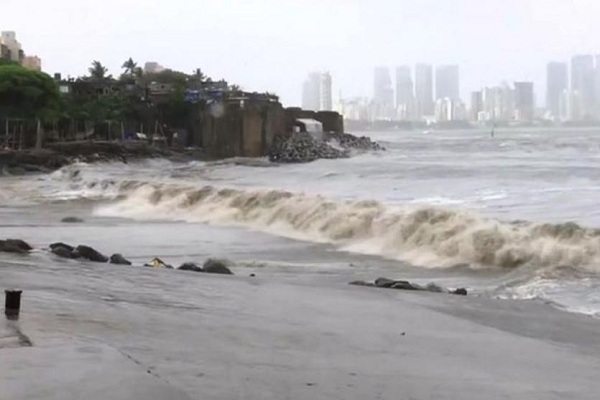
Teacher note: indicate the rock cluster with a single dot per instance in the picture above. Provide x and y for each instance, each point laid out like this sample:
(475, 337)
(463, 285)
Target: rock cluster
(302, 147)
(87, 253)
(385, 283)
(348, 141)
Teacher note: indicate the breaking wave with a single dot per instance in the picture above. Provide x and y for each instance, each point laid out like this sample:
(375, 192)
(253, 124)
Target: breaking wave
(429, 236)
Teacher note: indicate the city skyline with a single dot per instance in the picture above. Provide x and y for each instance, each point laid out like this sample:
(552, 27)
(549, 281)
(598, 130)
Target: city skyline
(264, 45)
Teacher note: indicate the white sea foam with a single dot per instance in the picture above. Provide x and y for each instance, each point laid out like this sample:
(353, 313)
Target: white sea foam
(422, 235)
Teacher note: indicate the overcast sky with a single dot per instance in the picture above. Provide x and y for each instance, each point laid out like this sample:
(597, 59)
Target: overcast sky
(272, 44)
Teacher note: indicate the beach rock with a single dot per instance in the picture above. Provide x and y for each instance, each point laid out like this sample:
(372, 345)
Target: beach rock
(118, 259)
(386, 283)
(63, 252)
(60, 244)
(15, 246)
(190, 267)
(71, 220)
(214, 266)
(90, 254)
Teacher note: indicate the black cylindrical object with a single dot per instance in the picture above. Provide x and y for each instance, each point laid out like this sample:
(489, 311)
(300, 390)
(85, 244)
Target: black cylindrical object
(12, 305)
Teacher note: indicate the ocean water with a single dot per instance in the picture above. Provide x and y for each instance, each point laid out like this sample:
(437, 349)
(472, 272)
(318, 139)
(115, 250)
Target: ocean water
(511, 217)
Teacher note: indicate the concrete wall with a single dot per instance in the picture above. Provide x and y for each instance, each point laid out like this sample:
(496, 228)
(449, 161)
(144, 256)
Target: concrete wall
(246, 131)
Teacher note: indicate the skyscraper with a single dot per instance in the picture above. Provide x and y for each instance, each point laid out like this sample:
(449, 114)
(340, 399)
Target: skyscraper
(476, 105)
(524, 101)
(317, 93)
(557, 82)
(582, 83)
(404, 85)
(447, 82)
(424, 89)
(383, 93)
(325, 96)
(311, 92)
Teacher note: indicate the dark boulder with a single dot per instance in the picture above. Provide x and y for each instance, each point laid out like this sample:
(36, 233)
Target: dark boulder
(190, 267)
(60, 244)
(118, 259)
(460, 292)
(90, 254)
(63, 251)
(214, 266)
(71, 220)
(15, 246)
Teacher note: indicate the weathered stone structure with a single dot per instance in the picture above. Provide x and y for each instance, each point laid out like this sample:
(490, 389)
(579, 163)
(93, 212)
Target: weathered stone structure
(240, 127)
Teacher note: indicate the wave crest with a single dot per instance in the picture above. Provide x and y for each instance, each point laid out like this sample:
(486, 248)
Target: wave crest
(423, 236)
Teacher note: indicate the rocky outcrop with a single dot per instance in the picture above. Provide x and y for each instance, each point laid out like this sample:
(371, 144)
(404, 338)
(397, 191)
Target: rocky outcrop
(348, 141)
(385, 283)
(90, 254)
(118, 259)
(190, 267)
(15, 246)
(302, 147)
(214, 266)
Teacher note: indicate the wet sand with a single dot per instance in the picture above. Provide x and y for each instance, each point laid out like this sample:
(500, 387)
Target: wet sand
(101, 332)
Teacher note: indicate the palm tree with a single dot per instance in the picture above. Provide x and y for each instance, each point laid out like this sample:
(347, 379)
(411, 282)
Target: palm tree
(98, 71)
(199, 75)
(129, 66)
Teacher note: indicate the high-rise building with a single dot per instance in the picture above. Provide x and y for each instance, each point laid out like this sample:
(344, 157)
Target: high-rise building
(424, 89)
(311, 93)
(317, 92)
(524, 101)
(405, 98)
(404, 86)
(11, 47)
(383, 93)
(447, 82)
(499, 103)
(476, 105)
(582, 82)
(325, 94)
(557, 81)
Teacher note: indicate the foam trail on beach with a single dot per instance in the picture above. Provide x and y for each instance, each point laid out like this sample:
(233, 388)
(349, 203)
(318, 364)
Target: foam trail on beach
(427, 236)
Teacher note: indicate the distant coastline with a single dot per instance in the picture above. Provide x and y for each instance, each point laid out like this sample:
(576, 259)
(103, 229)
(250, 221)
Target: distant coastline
(366, 126)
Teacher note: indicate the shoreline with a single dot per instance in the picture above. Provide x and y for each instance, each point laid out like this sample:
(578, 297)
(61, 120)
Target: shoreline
(58, 155)
(257, 338)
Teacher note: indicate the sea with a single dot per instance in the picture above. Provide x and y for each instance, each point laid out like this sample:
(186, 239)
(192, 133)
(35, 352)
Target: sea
(515, 216)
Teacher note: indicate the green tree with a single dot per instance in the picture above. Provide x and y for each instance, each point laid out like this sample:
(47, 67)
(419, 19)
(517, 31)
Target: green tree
(130, 66)
(28, 94)
(98, 71)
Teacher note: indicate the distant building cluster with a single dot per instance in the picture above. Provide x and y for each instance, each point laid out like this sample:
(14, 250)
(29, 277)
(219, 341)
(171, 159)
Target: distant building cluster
(433, 95)
(428, 95)
(504, 103)
(317, 92)
(11, 50)
(579, 100)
